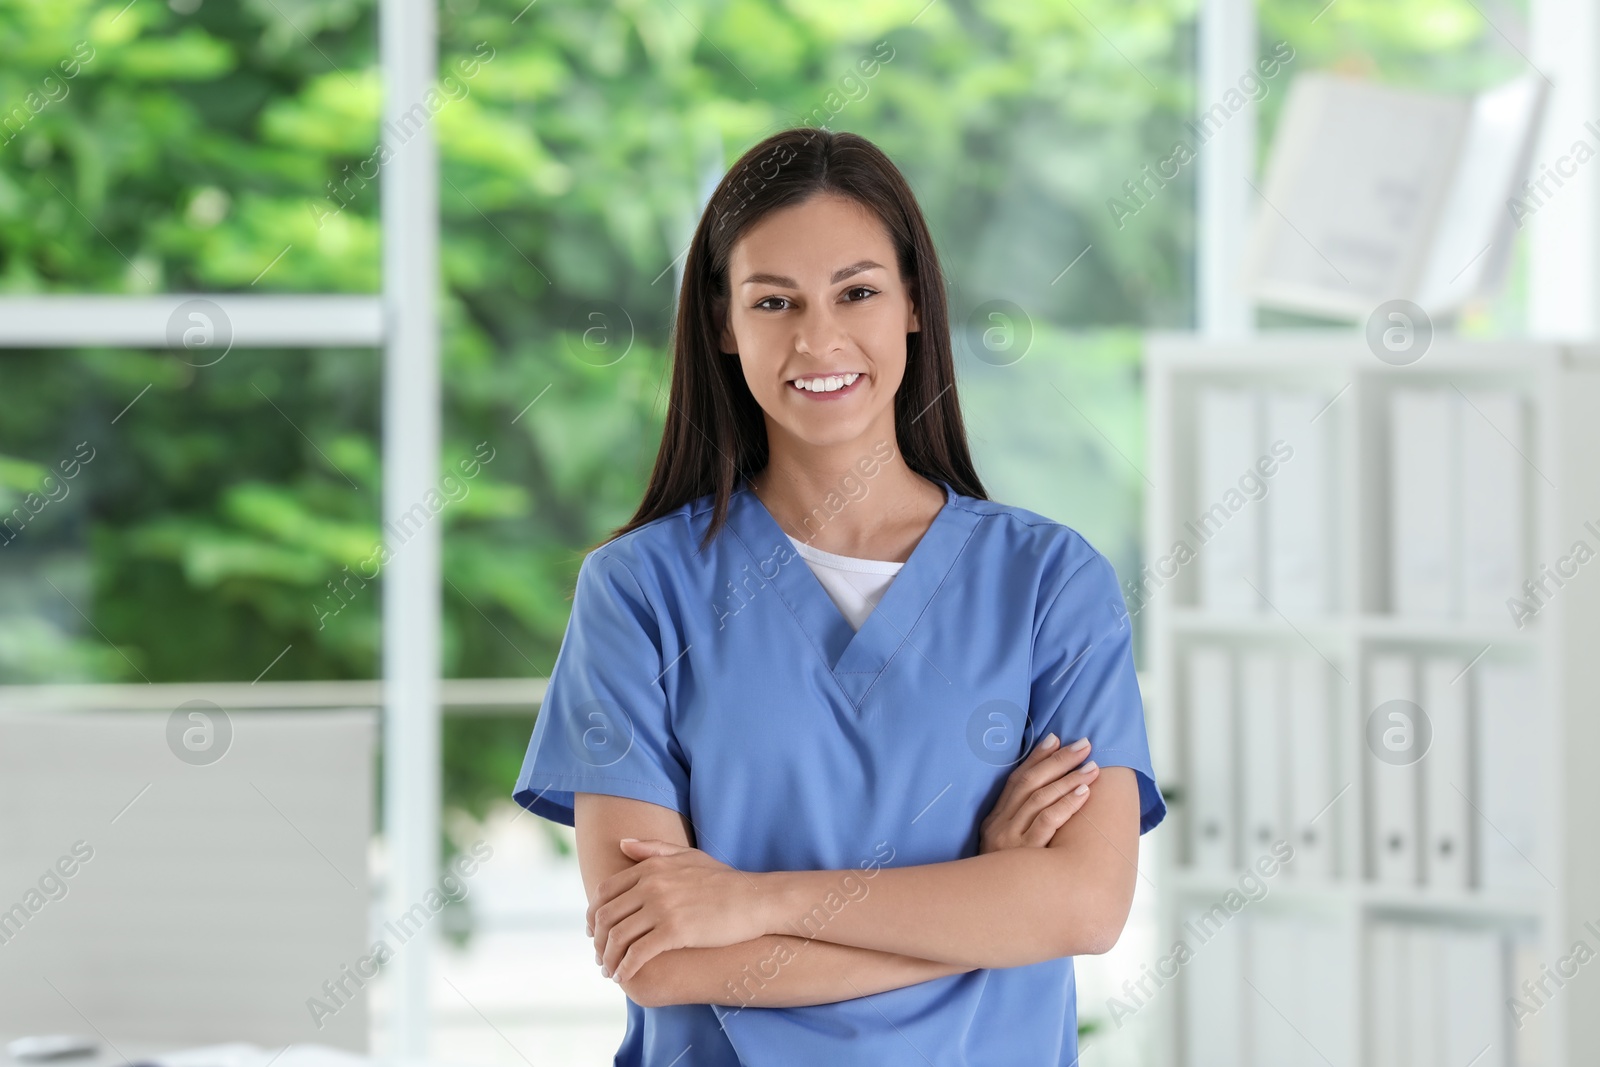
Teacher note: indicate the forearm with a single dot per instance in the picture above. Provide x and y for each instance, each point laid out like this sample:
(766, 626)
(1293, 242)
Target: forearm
(1000, 909)
(1008, 908)
(777, 971)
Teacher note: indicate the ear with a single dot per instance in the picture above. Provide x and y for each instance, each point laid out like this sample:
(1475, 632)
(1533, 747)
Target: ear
(727, 344)
(916, 319)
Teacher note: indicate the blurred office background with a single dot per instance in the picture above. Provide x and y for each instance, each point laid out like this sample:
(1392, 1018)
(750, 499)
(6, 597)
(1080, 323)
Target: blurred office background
(282, 281)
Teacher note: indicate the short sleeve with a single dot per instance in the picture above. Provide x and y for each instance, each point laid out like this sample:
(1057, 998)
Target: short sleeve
(604, 725)
(1084, 683)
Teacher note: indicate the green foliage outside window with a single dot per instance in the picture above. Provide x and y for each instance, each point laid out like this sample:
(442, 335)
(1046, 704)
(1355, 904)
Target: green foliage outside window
(230, 147)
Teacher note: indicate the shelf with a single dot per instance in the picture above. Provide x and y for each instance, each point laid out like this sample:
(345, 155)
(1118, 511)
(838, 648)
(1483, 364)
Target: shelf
(1367, 896)
(1559, 390)
(1454, 631)
(1303, 352)
(1202, 621)
(1261, 624)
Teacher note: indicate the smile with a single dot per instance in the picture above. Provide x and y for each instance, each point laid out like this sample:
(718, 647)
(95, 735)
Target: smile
(826, 387)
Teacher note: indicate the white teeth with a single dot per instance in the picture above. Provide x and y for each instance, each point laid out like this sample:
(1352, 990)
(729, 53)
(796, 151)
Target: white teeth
(825, 385)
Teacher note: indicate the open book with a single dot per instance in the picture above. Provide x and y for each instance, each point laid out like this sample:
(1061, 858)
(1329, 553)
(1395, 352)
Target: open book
(1375, 193)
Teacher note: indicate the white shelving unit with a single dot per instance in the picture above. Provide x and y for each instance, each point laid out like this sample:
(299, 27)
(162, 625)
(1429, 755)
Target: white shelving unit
(1561, 385)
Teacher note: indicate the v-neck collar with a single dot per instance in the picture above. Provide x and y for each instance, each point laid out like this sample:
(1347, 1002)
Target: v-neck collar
(856, 658)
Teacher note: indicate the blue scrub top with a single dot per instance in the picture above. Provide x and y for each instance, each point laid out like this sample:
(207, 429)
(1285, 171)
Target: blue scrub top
(726, 685)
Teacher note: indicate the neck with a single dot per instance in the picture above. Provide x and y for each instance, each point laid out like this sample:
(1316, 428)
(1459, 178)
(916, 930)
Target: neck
(853, 499)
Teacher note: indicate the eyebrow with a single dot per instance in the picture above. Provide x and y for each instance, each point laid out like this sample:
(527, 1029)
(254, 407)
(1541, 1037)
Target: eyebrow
(761, 278)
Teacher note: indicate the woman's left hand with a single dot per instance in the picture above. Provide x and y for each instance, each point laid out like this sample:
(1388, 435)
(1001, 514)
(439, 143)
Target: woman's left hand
(674, 897)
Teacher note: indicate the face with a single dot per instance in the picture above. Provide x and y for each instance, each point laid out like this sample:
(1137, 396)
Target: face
(815, 296)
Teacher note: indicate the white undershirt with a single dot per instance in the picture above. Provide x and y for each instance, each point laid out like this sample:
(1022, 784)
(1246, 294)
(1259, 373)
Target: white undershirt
(855, 585)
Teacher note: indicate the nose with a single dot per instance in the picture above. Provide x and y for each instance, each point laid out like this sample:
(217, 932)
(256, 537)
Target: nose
(819, 331)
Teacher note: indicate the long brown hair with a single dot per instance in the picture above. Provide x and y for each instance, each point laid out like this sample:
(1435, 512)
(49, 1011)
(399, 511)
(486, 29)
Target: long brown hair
(715, 433)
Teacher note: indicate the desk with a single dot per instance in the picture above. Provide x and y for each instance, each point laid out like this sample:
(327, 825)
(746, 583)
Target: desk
(115, 1052)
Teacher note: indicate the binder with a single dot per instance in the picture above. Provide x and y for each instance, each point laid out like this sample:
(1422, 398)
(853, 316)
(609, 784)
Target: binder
(1422, 1021)
(1447, 775)
(1313, 749)
(1493, 503)
(1212, 992)
(1227, 525)
(1261, 779)
(1473, 974)
(1392, 818)
(1458, 493)
(1299, 504)
(1511, 721)
(1302, 968)
(1275, 1008)
(1327, 973)
(1211, 733)
(1386, 1004)
(1527, 1043)
(1437, 996)
(1422, 503)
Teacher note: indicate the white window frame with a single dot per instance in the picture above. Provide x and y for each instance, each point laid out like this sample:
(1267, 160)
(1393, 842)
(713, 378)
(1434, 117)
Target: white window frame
(404, 321)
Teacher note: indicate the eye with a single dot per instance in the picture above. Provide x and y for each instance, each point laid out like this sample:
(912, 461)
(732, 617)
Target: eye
(762, 301)
(860, 289)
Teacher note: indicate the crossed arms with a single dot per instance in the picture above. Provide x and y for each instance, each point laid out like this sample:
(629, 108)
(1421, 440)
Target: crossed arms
(1054, 877)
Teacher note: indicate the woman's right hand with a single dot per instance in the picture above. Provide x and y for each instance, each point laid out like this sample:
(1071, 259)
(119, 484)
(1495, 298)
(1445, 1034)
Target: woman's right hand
(1042, 793)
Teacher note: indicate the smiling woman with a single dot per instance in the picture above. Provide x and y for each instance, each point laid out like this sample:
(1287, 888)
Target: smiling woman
(871, 831)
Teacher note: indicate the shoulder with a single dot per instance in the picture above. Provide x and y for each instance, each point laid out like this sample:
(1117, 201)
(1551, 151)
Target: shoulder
(648, 555)
(1057, 554)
